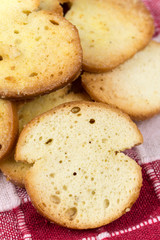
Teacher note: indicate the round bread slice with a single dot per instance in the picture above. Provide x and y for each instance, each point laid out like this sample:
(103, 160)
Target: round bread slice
(110, 31)
(15, 171)
(8, 127)
(133, 87)
(51, 5)
(80, 179)
(39, 52)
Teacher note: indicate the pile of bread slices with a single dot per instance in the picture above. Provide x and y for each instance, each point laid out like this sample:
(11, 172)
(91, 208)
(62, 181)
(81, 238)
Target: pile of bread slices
(65, 144)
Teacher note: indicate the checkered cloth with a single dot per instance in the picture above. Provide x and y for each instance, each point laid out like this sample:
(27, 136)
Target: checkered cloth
(19, 220)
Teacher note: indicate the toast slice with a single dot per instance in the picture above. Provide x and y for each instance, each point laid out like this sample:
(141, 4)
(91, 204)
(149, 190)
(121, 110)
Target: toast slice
(110, 31)
(15, 171)
(8, 127)
(133, 87)
(40, 51)
(80, 179)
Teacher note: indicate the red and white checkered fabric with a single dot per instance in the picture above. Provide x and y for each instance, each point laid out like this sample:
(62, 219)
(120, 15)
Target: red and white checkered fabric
(19, 220)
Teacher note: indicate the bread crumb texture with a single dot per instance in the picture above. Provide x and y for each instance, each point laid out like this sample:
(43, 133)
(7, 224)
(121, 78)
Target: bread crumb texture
(15, 171)
(133, 87)
(39, 50)
(110, 31)
(80, 179)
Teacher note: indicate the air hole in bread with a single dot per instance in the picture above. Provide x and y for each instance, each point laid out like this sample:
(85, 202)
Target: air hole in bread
(46, 27)
(65, 187)
(33, 74)
(91, 121)
(55, 199)
(117, 169)
(74, 174)
(92, 179)
(93, 192)
(40, 138)
(71, 213)
(44, 205)
(75, 110)
(70, 195)
(17, 41)
(37, 39)
(13, 68)
(1, 58)
(27, 12)
(54, 22)
(52, 175)
(49, 141)
(118, 200)
(90, 142)
(104, 140)
(60, 73)
(60, 161)
(16, 31)
(58, 192)
(106, 203)
(10, 78)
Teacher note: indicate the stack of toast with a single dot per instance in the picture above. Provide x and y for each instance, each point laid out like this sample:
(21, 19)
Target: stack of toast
(74, 76)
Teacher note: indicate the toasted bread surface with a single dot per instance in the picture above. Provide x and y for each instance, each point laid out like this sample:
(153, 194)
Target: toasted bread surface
(15, 171)
(80, 179)
(40, 51)
(133, 87)
(110, 31)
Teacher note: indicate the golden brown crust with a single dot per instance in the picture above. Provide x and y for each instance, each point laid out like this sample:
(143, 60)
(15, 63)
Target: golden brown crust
(38, 204)
(122, 88)
(9, 131)
(33, 186)
(14, 171)
(35, 85)
(135, 13)
(139, 116)
(24, 132)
